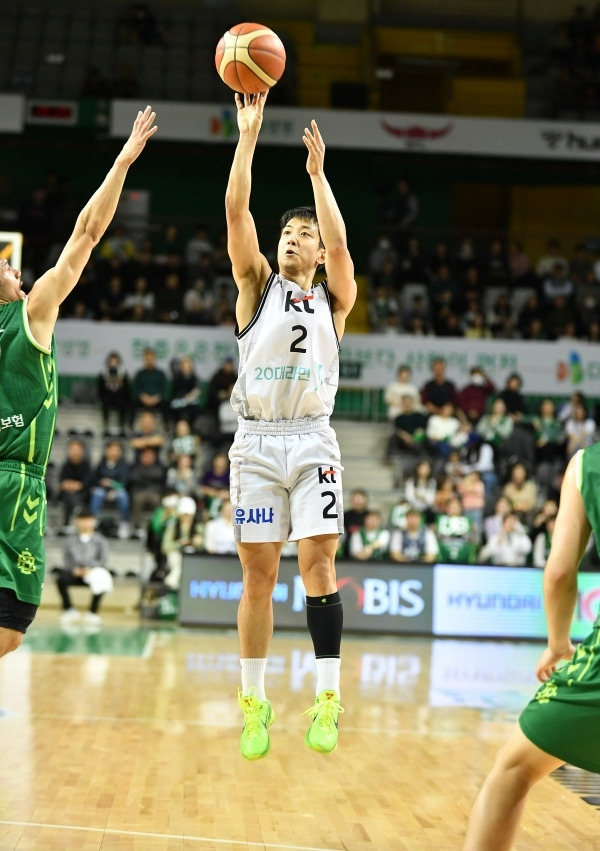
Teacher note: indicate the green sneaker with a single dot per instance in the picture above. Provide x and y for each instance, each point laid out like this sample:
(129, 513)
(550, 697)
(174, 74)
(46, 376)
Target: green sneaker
(322, 734)
(258, 717)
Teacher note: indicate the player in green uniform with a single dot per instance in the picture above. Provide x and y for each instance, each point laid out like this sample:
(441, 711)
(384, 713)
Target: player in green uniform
(560, 724)
(28, 395)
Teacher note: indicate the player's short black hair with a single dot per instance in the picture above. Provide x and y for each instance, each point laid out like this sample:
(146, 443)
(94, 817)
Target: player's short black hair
(306, 214)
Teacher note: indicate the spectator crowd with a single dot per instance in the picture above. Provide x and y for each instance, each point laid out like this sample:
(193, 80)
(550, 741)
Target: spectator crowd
(464, 289)
(477, 473)
(167, 278)
(475, 292)
(163, 474)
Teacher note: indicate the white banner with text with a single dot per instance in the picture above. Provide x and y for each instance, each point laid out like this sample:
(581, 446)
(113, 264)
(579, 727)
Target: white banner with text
(389, 131)
(366, 360)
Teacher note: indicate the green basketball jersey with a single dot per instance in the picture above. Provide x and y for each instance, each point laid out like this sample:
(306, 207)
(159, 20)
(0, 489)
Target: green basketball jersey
(28, 390)
(562, 718)
(587, 476)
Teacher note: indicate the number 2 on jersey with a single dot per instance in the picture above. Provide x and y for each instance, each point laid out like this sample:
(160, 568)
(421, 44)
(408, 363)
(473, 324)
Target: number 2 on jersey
(295, 347)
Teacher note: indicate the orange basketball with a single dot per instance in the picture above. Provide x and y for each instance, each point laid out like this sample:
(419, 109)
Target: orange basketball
(250, 58)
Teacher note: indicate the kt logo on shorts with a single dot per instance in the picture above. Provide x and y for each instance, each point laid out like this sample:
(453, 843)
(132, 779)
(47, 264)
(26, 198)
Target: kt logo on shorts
(327, 477)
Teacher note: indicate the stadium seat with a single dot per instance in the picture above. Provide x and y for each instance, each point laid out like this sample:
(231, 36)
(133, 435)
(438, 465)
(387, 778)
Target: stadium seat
(490, 295)
(79, 30)
(409, 291)
(520, 296)
(48, 81)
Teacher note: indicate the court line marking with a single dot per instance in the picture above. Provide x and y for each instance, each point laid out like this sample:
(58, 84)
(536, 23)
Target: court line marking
(149, 646)
(184, 837)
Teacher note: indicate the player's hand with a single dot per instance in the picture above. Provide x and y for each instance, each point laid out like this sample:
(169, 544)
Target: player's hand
(250, 112)
(549, 661)
(316, 149)
(143, 128)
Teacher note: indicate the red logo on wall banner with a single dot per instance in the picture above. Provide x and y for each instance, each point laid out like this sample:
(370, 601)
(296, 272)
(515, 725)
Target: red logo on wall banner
(356, 587)
(589, 604)
(415, 132)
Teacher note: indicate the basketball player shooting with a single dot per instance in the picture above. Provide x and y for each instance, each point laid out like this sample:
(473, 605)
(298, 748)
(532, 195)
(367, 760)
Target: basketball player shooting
(285, 461)
(28, 400)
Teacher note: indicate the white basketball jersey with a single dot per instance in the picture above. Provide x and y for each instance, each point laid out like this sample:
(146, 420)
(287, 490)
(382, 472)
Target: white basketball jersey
(289, 364)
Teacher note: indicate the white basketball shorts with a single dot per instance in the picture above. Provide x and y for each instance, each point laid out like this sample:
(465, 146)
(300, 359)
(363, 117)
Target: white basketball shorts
(286, 481)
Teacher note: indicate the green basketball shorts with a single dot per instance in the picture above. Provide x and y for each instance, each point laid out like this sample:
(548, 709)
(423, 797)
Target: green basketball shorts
(563, 717)
(22, 524)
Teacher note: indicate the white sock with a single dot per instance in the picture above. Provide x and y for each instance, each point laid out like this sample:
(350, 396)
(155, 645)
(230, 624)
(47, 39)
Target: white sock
(253, 676)
(328, 674)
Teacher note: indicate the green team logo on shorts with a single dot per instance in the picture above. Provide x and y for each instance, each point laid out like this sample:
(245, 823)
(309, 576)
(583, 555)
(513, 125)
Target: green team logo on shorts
(26, 562)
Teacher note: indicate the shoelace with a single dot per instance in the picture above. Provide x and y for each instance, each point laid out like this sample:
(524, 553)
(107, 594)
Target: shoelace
(323, 712)
(253, 723)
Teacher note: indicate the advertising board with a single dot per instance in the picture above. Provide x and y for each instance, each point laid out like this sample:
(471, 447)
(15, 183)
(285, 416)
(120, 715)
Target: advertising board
(503, 602)
(442, 600)
(382, 598)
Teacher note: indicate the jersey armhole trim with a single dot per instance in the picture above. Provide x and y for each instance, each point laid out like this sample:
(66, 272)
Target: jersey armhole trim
(261, 304)
(30, 336)
(328, 297)
(579, 469)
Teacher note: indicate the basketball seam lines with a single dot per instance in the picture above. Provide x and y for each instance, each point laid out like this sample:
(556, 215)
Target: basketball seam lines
(252, 65)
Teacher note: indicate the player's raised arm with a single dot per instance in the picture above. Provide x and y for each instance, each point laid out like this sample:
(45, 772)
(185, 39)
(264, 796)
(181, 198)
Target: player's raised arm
(250, 267)
(338, 262)
(56, 284)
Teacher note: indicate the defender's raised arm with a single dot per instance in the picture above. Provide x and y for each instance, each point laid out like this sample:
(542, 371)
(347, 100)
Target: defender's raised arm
(56, 284)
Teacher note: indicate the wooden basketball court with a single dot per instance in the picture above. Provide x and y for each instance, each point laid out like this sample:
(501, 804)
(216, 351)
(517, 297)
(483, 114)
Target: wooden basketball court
(127, 739)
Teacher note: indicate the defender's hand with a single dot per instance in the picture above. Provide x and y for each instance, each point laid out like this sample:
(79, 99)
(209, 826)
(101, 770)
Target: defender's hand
(142, 130)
